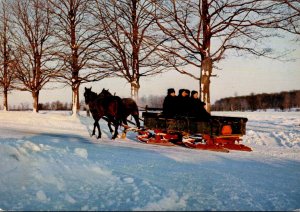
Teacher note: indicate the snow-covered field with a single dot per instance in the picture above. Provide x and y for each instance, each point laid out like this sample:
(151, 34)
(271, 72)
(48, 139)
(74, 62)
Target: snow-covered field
(48, 161)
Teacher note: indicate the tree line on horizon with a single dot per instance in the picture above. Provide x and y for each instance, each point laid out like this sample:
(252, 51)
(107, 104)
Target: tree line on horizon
(283, 101)
(279, 101)
(55, 105)
(151, 100)
(80, 41)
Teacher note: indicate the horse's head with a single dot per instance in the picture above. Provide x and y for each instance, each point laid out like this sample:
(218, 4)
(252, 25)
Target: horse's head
(105, 93)
(89, 95)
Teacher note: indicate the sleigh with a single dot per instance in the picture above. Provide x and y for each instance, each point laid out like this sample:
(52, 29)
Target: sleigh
(218, 133)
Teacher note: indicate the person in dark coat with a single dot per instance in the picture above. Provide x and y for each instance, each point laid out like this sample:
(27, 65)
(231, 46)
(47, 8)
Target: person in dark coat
(197, 108)
(182, 106)
(169, 103)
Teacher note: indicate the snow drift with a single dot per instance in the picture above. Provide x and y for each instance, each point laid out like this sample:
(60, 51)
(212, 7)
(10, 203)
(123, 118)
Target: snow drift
(48, 161)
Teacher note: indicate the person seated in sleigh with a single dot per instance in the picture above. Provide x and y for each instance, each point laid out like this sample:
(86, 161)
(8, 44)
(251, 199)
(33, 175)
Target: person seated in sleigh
(182, 103)
(197, 107)
(169, 104)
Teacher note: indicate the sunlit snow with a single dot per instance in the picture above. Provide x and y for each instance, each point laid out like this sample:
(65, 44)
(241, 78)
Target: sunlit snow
(48, 161)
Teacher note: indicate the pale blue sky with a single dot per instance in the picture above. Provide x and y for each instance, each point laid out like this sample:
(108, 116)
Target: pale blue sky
(240, 76)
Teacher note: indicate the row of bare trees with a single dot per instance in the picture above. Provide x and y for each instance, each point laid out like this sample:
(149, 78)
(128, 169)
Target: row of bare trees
(282, 101)
(56, 105)
(80, 41)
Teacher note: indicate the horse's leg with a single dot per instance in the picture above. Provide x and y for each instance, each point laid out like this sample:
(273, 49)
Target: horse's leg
(109, 118)
(116, 123)
(95, 124)
(99, 130)
(96, 119)
(109, 126)
(137, 121)
(124, 119)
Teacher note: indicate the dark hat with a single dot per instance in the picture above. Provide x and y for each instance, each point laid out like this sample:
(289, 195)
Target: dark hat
(193, 92)
(171, 90)
(180, 91)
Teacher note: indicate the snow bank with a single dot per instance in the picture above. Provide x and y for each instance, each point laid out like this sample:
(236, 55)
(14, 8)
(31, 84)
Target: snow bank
(48, 161)
(271, 133)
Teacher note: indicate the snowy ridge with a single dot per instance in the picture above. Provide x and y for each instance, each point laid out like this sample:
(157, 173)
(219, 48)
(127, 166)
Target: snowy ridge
(272, 133)
(50, 162)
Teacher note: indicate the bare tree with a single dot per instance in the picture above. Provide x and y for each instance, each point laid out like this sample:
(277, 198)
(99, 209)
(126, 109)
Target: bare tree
(131, 39)
(6, 69)
(202, 31)
(287, 16)
(76, 45)
(32, 41)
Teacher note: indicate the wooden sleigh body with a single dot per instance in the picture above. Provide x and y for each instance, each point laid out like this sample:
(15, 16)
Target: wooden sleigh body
(218, 133)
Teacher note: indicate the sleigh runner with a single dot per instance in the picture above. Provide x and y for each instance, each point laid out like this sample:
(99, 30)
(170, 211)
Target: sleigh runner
(218, 133)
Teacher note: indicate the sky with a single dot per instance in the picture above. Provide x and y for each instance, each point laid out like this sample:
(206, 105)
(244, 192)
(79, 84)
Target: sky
(235, 76)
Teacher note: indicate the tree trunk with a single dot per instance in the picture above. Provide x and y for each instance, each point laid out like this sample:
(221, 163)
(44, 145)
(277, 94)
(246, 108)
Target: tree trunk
(135, 86)
(75, 99)
(135, 52)
(5, 105)
(35, 96)
(206, 64)
(206, 70)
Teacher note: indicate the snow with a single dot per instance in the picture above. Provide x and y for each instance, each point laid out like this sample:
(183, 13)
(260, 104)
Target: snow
(48, 161)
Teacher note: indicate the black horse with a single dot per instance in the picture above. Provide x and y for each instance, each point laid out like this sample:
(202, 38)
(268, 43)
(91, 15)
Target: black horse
(129, 108)
(99, 107)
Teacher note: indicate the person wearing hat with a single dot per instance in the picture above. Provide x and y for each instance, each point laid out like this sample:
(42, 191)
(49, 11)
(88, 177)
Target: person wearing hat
(182, 102)
(197, 107)
(169, 103)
